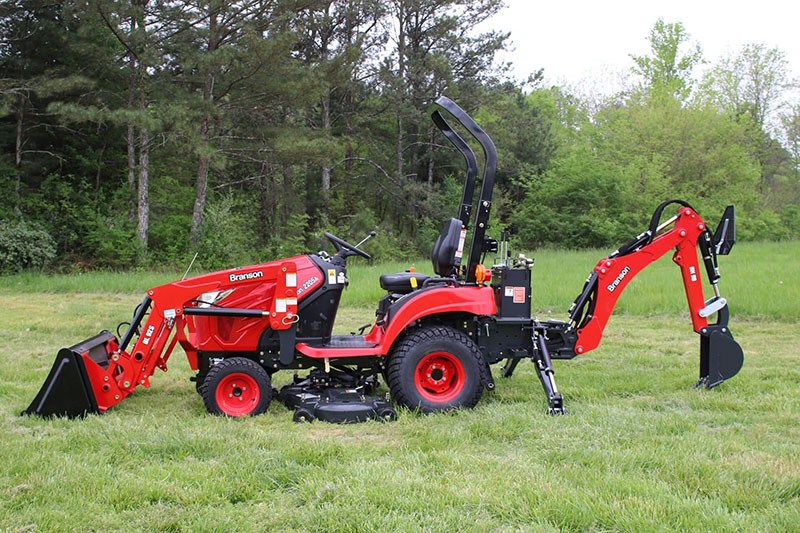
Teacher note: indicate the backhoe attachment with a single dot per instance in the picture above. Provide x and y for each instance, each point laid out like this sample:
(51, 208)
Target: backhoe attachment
(721, 357)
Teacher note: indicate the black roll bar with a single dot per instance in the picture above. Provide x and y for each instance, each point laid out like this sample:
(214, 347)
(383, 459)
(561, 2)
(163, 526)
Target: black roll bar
(489, 171)
(452, 135)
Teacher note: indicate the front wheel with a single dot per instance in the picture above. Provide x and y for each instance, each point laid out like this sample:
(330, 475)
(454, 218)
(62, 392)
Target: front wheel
(436, 369)
(237, 387)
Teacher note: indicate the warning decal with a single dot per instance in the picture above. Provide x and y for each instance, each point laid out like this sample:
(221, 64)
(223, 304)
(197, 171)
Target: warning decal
(519, 295)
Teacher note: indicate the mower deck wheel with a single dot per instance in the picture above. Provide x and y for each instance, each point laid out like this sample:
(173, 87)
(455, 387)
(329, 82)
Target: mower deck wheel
(237, 387)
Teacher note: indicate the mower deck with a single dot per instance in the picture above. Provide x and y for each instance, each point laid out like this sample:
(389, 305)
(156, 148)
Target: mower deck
(320, 397)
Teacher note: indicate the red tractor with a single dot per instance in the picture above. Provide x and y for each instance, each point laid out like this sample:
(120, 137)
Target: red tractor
(434, 337)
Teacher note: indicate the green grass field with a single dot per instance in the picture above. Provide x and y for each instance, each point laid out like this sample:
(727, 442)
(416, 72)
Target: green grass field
(639, 450)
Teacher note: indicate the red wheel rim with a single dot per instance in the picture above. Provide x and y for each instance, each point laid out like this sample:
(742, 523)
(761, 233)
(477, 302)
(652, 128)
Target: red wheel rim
(439, 377)
(237, 394)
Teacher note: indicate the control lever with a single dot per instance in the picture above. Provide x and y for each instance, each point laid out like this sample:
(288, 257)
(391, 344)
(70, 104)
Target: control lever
(368, 237)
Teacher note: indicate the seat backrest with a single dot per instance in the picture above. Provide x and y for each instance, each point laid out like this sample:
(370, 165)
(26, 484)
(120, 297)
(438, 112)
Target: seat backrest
(448, 249)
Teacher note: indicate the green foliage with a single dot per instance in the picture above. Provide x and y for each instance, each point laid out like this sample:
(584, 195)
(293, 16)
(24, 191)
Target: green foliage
(578, 203)
(524, 131)
(68, 207)
(316, 119)
(112, 242)
(668, 69)
(609, 178)
(171, 200)
(790, 220)
(24, 246)
(751, 83)
(228, 238)
(293, 237)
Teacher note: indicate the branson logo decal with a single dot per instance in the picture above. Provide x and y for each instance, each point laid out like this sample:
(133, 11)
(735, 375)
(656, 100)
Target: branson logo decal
(249, 275)
(619, 279)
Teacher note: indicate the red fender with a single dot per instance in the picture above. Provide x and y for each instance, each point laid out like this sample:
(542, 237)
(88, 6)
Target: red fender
(472, 300)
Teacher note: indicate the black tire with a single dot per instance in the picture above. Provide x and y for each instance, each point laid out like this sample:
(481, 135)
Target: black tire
(302, 416)
(436, 369)
(237, 387)
(198, 384)
(387, 414)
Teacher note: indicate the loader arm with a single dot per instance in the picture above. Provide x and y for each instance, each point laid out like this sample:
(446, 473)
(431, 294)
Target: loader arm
(721, 356)
(100, 372)
(172, 308)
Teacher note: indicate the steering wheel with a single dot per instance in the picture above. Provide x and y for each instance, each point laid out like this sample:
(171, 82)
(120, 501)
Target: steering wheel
(339, 244)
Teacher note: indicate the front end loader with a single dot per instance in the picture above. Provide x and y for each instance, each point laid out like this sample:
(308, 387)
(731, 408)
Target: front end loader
(434, 337)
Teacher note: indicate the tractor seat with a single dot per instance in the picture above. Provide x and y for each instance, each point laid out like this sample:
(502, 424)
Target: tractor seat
(446, 257)
(402, 282)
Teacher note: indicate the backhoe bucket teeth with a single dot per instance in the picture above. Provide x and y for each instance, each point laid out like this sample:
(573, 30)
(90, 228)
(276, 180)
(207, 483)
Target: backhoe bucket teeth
(67, 391)
(721, 357)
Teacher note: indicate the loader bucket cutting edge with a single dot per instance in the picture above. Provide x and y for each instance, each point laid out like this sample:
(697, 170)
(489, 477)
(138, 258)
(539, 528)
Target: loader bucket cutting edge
(67, 391)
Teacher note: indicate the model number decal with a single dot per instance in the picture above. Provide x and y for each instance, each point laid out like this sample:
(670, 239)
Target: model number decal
(148, 334)
(311, 281)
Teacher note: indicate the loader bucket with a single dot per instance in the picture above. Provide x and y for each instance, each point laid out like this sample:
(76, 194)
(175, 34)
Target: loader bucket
(67, 391)
(721, 357)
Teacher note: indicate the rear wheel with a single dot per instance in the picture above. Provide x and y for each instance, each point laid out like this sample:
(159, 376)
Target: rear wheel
(237, 387)
(435, 369)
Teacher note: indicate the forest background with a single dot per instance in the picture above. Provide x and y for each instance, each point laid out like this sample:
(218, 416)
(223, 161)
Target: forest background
(137, 133)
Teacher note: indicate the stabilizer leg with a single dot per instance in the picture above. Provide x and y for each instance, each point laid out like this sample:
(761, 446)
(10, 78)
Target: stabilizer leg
(541, 357)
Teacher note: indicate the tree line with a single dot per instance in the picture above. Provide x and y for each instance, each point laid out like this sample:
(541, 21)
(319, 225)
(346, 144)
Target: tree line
(138, 132)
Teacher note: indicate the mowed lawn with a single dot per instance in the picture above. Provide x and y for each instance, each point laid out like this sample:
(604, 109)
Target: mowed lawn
(639, 449)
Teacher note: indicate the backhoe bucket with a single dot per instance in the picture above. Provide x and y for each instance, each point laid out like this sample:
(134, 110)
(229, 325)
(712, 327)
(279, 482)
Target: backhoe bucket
(67, 391)
(721, 357)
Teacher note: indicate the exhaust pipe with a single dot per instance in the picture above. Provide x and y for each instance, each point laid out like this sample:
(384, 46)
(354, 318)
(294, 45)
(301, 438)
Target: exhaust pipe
(67, 391)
